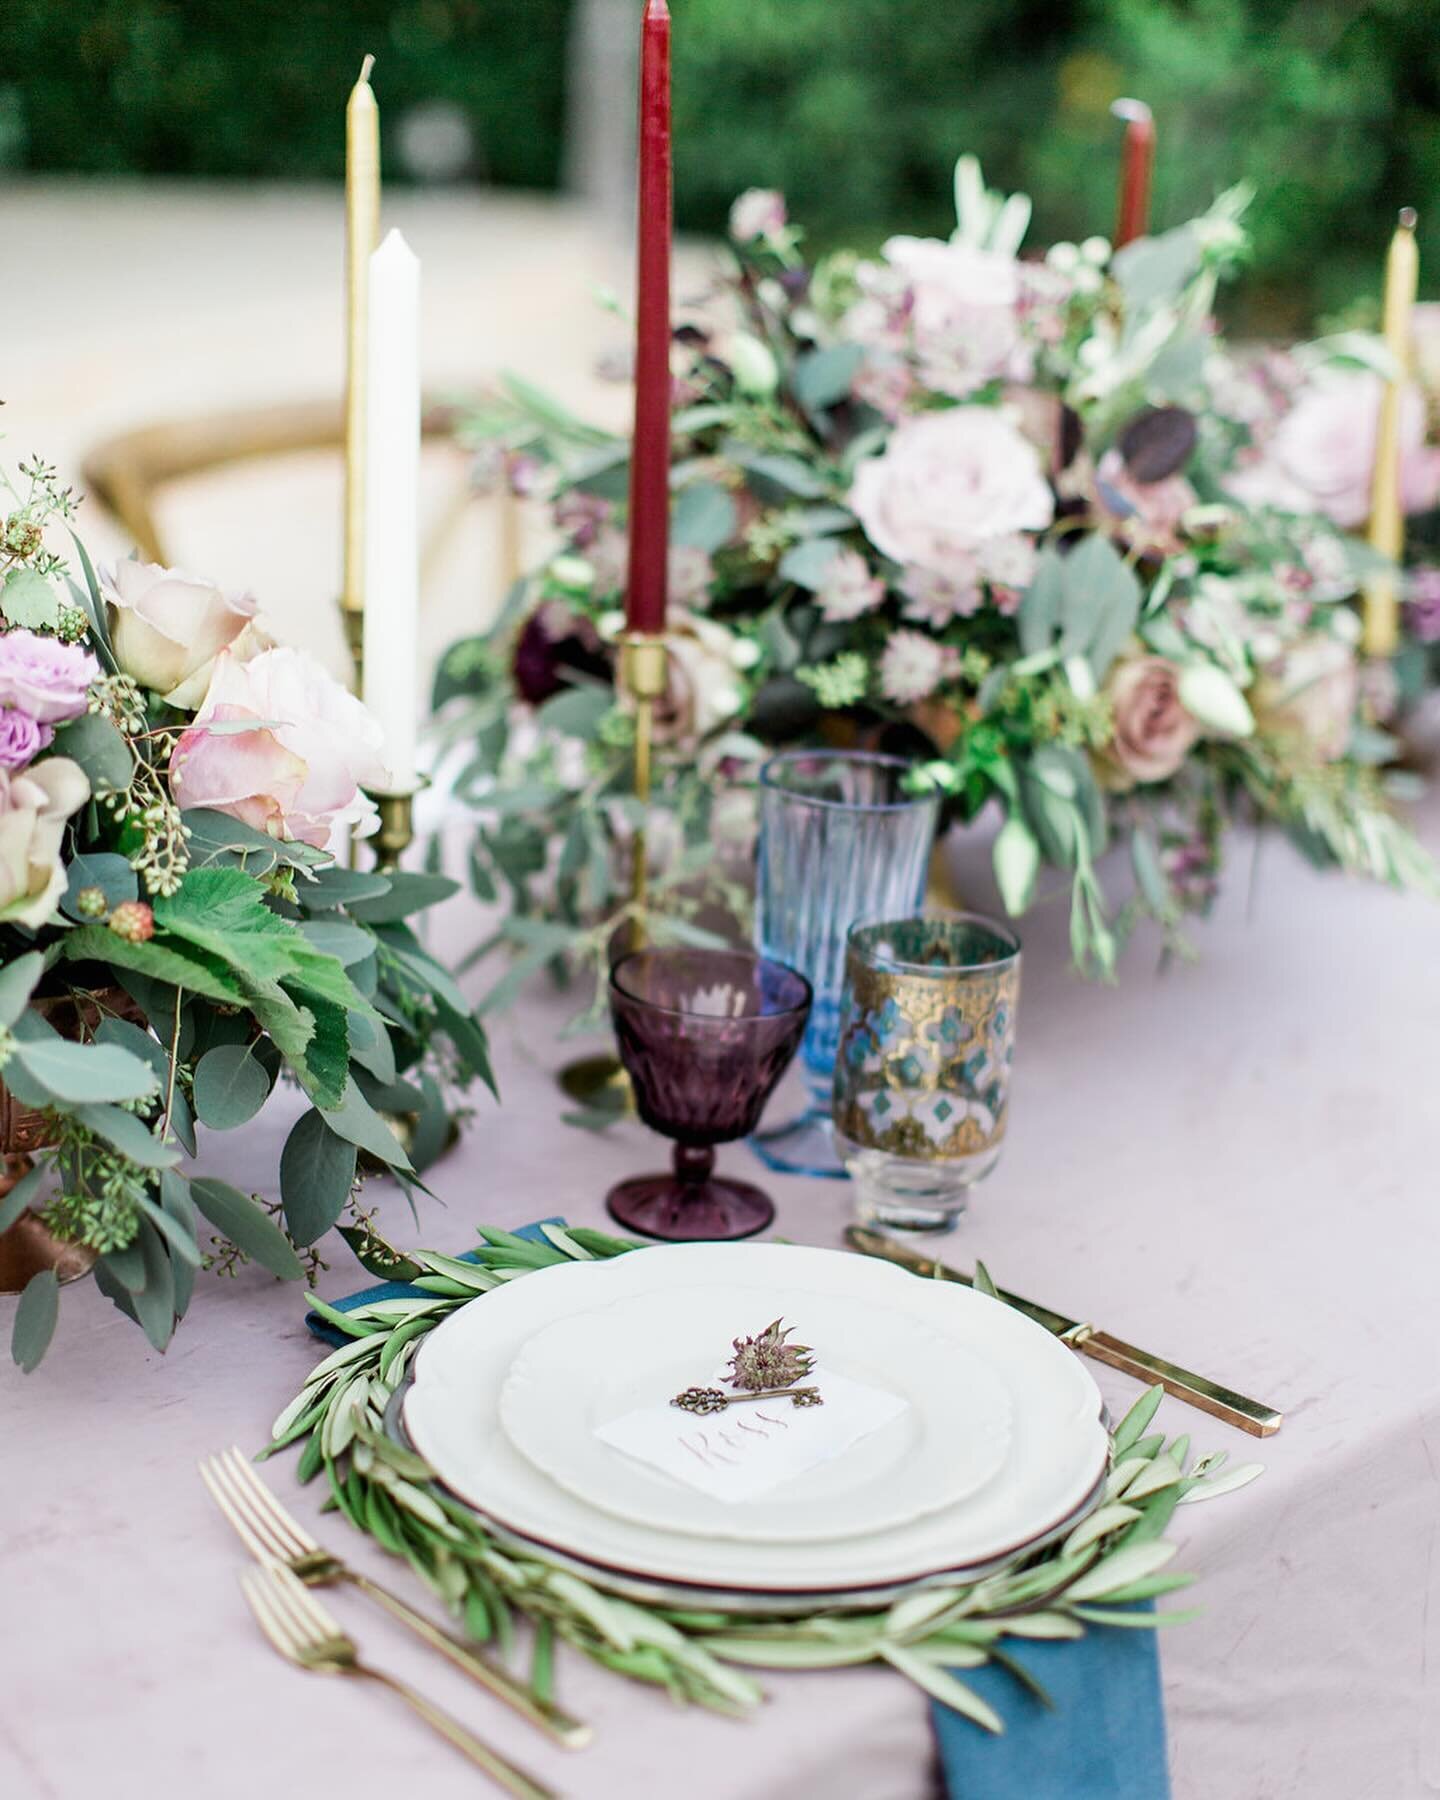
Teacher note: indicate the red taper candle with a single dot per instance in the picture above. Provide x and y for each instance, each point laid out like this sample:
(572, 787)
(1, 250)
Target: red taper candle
(1133, 218)
(650, 446)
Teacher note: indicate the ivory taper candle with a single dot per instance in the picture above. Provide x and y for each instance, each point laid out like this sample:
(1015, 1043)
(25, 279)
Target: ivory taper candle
(392, 489)
(362, 233)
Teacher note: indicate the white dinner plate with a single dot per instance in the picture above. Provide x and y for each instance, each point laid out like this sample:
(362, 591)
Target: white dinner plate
(1058, 1445)
(594, 1367)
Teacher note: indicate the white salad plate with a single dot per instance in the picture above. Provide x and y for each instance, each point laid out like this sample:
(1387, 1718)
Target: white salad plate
(594, 1367)
(1057, 1451)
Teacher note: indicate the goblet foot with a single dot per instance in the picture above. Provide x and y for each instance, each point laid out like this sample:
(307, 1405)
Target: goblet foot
(681, 1211)
(803, 1146)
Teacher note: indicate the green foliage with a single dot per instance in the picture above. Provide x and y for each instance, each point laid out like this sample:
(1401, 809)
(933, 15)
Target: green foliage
(1114, 1556)
(856, 108)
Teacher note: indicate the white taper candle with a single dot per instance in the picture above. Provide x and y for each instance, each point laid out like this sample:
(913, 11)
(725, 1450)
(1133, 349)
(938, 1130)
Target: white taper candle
(392, 490)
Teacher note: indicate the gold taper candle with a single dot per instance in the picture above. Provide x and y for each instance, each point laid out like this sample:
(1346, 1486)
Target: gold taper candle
(362, 234)
(1387, 517)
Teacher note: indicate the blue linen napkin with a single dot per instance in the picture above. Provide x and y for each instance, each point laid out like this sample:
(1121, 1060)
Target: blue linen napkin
(1105, 1738)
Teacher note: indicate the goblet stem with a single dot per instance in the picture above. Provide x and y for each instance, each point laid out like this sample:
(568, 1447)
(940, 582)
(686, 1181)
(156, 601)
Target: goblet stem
(694, 1164)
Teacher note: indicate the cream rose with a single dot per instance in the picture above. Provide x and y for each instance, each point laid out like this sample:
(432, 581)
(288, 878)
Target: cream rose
(705, 688)
(1153, 733)
(298, 770)
(34, 809)
(964, 312)
(168, 628)
(948, 484)
(1310, 693)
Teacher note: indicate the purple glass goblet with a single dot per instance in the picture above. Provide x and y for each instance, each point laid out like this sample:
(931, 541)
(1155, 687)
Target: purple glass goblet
(705, 1035)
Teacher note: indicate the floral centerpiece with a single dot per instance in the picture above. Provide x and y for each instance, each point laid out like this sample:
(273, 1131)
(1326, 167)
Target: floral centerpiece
(177, 934)
(1028, 515)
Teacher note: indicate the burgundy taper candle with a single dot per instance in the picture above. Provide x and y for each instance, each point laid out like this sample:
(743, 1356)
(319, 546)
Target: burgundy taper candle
(650, 447)
(1138, 159)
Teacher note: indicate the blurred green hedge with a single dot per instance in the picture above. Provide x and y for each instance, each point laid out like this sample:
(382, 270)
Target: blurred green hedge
(857, 108)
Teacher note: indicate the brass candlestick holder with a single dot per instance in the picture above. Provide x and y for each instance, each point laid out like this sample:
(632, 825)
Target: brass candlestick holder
(600, 1082)
(397, 823)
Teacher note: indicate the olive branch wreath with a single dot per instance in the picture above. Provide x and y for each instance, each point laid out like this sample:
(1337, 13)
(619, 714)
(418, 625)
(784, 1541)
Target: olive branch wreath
(1113, 1559)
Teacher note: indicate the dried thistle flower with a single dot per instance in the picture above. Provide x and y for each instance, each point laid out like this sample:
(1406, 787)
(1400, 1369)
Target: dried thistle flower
(768, 1361)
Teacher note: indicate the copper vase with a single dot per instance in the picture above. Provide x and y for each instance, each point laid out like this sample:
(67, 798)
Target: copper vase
(29, 1246)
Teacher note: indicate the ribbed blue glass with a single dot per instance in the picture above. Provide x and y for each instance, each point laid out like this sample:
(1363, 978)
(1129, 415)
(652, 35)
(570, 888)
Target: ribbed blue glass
(840, 840)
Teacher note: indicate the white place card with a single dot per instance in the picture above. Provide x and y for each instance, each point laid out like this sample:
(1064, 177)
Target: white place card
(750, 1448)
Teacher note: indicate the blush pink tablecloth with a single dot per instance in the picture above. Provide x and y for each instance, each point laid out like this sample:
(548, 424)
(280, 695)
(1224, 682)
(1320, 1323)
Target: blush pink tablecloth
(1234, 1163)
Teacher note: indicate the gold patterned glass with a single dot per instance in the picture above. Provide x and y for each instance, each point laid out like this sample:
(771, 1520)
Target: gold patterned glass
(922, 1079)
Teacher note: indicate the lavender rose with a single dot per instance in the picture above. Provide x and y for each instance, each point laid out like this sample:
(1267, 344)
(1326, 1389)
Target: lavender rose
(45, 678)
(949, 484)
(1153, 733)
(21, 738)
(34, 809)
(168, 627)
(298, 772)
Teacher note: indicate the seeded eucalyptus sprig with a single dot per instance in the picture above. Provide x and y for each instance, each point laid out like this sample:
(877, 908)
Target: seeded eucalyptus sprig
(1112, 1560)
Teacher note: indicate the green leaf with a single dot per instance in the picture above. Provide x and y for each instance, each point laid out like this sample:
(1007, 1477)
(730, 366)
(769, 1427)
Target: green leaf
(18, 981)
(348, 944)
(28, 600)
(111, 874)
(1099, 604)
(1150, 876)
(822, 377)
(704, 517)
(230, 1086)
(178, 1207)
(408, 893)
(379, 1260)
(24, 1191)
(1039, 615)
(241, 1220)
(75, 1073)
(785, 475)
(1016, 856)
(218, 840)
(1132, 1427)
(342, 887)
(35, 1319)
(577, 711)
(942, 1687)
(156, 961)
(181, 1240)
(1153, 271)
(130, 1136)
(100, 748)
(317, 1171)
(358, 1123)
(154, 1301)
(808, 563)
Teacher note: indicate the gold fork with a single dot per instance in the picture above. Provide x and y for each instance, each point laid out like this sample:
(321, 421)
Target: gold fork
(273, 1536)
(305, 1634)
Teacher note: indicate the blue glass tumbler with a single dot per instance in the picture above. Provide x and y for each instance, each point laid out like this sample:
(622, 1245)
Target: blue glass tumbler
(841, 839)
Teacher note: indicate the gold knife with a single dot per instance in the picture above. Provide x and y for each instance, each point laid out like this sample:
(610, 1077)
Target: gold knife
(1222, 1402)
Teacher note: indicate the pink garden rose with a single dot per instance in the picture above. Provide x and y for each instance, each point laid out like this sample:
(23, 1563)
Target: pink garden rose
(947, 486)
(34, 810)
(45, 678)
(1153, 733)
(1321, 457)
(21, 738)
(964, 312)
(298, 773)
(168, 627)
(1310, 694)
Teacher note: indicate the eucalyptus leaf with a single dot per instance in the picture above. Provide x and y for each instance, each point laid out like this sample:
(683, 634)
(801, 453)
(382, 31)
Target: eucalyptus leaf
(18, 980)
(317, 1172)
(178, 1207)
(100, 748)
(823, 377)
(1039, 615)
(809, 562)
(230, 1086)
(25, 1191)
(358, 1123)
(129, 1135)
(704, 517)
(77, 1073)
(407, 893)
(35, 1319)
(238, 1218)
